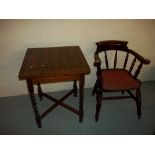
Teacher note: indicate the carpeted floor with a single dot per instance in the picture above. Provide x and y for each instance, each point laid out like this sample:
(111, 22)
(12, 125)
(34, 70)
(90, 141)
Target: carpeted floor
(117, 117)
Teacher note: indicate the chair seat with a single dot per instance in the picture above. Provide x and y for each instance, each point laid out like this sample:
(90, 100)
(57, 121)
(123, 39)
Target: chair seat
(118, 79)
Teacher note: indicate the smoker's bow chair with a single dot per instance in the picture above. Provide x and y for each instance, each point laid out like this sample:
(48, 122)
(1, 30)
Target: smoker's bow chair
(117, 79)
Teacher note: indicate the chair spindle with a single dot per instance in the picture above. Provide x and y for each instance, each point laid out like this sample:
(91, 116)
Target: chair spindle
(106, 60)
(138, 70)
(132, 65)
(115, 60)
(126, 60)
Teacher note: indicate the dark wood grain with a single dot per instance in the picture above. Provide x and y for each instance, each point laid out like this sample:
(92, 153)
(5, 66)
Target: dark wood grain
(47, 62)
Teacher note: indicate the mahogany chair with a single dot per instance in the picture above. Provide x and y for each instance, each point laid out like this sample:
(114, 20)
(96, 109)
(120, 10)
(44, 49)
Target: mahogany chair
(117, 79)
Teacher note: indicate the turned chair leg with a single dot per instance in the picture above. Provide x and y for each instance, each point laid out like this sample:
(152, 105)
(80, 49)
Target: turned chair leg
(94, 89)
(138, 102)
(98, 103)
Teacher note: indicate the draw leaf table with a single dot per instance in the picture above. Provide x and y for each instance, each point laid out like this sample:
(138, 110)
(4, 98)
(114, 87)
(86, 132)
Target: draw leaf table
(52, 65)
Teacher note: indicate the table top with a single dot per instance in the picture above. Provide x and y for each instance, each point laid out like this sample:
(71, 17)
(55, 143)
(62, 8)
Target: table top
(53, 61)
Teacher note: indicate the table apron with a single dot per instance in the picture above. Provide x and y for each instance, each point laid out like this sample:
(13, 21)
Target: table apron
(55, 79)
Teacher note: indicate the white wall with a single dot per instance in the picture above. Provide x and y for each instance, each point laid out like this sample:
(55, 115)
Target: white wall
(18, 35)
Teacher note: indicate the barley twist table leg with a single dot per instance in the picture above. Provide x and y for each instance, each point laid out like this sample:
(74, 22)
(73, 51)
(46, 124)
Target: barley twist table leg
(75, 88)
(40, 92)
(34, 103)
(81, 97)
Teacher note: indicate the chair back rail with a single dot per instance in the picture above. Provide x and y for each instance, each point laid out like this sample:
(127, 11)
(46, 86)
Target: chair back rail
(111, 45)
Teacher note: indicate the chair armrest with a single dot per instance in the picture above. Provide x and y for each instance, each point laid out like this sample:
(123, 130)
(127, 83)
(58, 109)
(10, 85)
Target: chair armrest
(139, 57)
(146, 61)
(97, 60)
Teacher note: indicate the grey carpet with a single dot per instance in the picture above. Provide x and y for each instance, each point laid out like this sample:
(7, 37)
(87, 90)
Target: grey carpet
(117, 117)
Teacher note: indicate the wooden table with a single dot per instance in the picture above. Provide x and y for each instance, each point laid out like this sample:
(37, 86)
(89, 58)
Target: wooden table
(54, 64)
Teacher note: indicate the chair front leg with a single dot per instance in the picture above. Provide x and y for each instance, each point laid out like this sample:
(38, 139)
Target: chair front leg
(138, 102)
(98, 103)
(94, 89)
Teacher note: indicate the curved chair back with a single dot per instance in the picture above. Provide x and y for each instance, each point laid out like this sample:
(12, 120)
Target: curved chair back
(117, 46)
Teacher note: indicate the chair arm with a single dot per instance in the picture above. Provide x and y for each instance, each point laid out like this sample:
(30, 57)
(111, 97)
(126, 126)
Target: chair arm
(97, 60)
(139, 57)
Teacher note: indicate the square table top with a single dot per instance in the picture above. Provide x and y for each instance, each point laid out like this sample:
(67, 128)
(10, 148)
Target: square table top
(53, 61)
